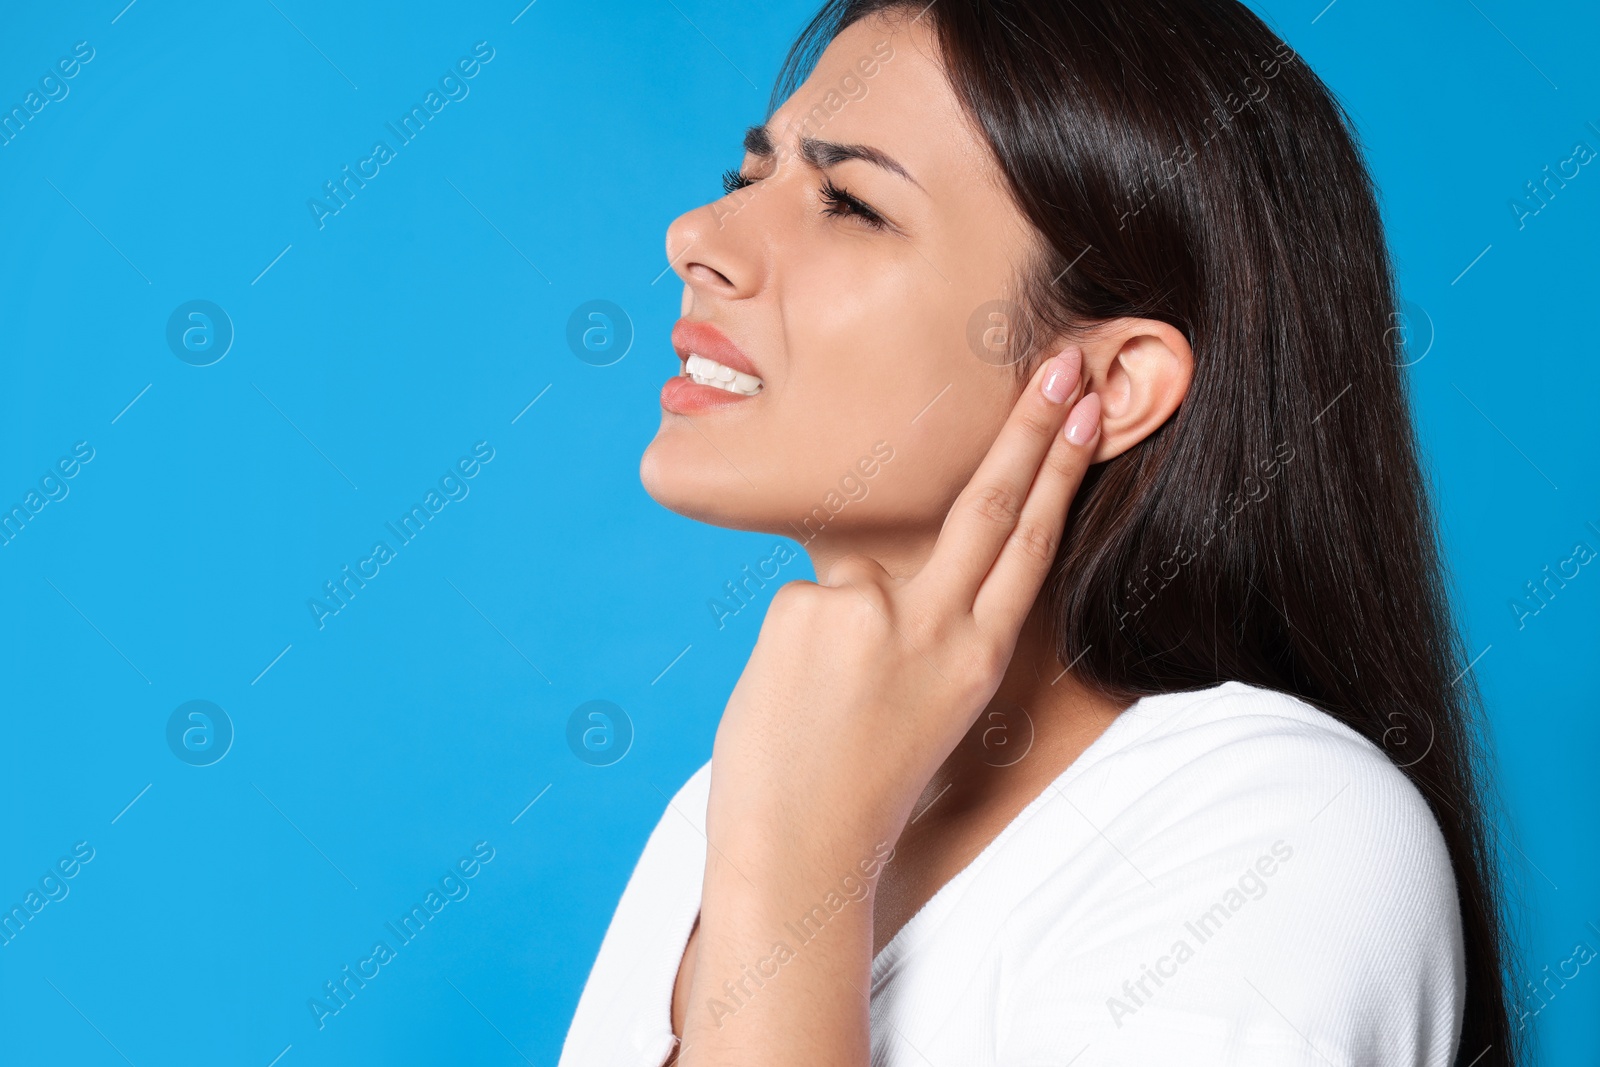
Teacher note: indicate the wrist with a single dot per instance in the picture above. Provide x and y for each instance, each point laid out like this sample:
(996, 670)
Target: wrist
(827, 822)
(798, 930)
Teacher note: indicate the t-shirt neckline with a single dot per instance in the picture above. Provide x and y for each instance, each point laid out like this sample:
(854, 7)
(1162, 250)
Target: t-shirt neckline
(1118, 733)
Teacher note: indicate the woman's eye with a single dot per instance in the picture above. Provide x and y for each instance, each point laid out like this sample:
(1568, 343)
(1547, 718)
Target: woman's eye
(732, 181)
(841, 203)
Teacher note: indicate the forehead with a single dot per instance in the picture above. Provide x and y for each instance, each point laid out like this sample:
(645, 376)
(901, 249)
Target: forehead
(881, 83)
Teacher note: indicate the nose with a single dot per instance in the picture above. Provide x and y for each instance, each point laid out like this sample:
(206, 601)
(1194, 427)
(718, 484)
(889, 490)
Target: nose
(714, 254)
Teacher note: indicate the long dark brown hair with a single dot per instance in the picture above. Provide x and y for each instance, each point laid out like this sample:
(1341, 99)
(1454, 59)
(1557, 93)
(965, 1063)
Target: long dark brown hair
(1179, 162)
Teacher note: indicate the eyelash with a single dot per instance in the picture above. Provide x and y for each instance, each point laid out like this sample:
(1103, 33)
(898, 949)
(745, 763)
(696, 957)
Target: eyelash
(841, 202)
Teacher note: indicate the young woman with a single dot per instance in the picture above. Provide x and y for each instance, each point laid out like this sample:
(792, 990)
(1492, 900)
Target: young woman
(1127, 723)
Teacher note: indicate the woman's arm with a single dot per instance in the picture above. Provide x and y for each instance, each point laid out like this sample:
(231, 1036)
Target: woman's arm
(857, 689)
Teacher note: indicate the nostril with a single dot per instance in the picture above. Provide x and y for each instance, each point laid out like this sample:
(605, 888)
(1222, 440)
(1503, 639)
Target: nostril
(699, 272)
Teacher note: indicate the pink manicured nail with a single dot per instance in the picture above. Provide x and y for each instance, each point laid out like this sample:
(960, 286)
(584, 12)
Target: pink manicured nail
(1084, 421)
(1062, 377)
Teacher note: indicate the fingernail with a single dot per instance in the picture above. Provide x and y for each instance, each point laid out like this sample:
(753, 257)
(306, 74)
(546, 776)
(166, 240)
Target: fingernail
(1084, 420)
(1062, 376)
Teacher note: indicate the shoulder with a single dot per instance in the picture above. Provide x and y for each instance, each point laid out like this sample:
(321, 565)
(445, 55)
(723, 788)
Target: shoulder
(667, 873)
(617, 1019)
(1231, 763)
(1269, 878)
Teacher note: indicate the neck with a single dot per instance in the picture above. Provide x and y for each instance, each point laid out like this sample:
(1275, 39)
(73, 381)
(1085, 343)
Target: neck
(1041, 717)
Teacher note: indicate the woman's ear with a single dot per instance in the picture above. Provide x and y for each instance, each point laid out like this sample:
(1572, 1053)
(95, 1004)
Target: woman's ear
(1141, 368)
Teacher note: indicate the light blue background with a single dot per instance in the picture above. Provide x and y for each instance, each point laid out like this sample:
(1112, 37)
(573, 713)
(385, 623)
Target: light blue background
(425, 317)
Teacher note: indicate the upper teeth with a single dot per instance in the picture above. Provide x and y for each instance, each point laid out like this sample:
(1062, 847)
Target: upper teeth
(710, 372)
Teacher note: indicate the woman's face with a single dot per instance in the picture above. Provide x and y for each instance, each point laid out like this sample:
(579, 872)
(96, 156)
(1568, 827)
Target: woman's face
(874, 233)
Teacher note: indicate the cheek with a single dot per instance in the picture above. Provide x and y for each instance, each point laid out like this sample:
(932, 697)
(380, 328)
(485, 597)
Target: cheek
(865, 331)
(936, 456)
(877, 351)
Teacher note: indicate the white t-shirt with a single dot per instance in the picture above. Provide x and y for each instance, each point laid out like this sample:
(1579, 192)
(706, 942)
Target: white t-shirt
(1227, 876)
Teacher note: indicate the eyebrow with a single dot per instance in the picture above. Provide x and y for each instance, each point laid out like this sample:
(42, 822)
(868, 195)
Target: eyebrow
(824, 154)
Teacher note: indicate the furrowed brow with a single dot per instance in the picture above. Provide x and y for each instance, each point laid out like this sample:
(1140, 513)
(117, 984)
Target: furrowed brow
(758, 141)
(824, 154)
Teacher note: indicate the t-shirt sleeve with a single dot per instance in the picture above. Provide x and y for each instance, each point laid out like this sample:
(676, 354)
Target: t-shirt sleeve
(1301, 909)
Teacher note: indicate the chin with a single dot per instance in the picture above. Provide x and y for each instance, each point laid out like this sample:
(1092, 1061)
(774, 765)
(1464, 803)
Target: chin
(682, 480)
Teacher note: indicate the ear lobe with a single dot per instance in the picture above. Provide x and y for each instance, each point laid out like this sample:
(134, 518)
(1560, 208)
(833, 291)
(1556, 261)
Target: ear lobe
(1142, 369)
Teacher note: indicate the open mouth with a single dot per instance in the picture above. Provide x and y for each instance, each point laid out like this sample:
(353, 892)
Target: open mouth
(713, 372)
(704, 371)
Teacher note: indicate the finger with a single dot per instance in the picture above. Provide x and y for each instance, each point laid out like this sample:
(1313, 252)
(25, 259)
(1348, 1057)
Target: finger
(983, 516)
(1012, 584)
(856, 570)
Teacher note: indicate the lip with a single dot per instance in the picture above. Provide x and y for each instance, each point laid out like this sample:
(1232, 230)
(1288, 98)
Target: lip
(683, 396)
(705, 339)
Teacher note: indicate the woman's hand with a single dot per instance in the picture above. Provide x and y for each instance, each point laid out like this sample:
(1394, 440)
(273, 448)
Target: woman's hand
(858, 688)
